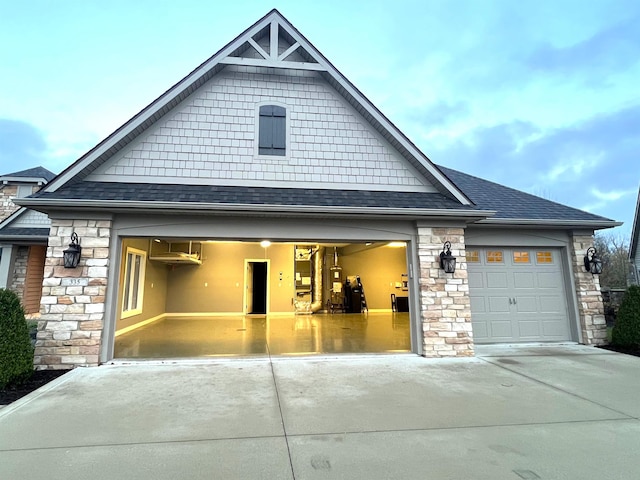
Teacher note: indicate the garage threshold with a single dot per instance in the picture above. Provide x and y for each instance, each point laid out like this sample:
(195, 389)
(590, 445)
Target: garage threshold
(256, 359)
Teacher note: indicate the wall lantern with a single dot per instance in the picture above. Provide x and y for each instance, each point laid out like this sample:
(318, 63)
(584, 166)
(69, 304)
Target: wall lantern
(72, 254)
(591, 262)
(447, 261)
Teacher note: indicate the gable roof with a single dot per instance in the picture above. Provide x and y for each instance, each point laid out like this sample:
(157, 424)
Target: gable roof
(301, 55)
(11, 230)
(635, 230)
(34, 175)
(519, 208)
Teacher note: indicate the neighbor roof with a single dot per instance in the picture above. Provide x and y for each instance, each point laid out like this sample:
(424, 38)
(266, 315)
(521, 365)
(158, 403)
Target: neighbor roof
(31, 174)
(516, 207)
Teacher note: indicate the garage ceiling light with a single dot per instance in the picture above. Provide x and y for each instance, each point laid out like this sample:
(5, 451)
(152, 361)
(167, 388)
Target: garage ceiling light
(397, 244)
(265, 243)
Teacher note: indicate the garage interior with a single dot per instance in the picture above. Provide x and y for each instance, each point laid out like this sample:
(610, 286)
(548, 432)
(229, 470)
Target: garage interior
(188, 298)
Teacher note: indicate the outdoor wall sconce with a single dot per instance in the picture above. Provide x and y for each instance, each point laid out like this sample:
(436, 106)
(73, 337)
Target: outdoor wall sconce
(591, 262)
(447, 261)
(72, 254)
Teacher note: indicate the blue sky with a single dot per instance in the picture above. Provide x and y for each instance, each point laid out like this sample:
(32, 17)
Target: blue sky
(541, 96)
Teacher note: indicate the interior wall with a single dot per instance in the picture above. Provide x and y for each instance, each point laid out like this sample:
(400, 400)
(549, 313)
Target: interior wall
(155, 285)
(380, 270)
(218, 284)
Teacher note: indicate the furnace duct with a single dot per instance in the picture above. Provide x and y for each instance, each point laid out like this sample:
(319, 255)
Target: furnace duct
(316, 296)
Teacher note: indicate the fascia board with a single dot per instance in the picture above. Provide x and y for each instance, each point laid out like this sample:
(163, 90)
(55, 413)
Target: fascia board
(592, 224)
(44, 205)
(37, 180)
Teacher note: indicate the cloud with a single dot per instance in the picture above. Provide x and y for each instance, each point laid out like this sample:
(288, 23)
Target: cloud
(21, 144)
(593, 163)
(616, 47)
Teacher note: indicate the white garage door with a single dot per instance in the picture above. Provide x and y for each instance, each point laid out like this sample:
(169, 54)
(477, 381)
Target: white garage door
(517, 295)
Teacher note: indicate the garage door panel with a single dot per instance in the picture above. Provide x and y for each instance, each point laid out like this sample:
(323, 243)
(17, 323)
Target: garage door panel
(527, 304)
(523, 280)
(501, 329)
(499, 304)
(476, 280)
(529, 329)
(551, 304)
(551, 279)
(478, 304)
(497, 280)
(520, 300)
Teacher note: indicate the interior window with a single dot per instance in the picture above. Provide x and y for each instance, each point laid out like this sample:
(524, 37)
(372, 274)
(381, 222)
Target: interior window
(494, 256)
(133, 287)
(520, 257)
(544, 257)
(473, 256)
(272, 126)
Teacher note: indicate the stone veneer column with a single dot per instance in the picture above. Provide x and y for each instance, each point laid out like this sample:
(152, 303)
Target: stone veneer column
(590, 306)
(73, 299)
(444, 297)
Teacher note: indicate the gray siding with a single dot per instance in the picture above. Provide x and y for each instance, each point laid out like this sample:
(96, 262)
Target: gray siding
(211, 138)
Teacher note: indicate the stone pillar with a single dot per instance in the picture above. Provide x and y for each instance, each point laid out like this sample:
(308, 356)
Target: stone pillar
(444, 297)
(73, 299)
(590, 306)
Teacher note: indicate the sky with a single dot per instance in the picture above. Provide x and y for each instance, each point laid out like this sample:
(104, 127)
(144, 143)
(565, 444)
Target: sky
(542, 96)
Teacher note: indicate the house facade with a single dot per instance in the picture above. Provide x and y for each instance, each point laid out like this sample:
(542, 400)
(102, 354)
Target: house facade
(634, 246)
(23, 237)
(243, 188)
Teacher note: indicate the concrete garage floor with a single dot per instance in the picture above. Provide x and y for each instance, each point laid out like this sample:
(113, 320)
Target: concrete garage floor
(192, 337)
(561, 412)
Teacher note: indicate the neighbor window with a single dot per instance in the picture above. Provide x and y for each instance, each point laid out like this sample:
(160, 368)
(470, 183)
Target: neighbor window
(272, 128)
(133, 287)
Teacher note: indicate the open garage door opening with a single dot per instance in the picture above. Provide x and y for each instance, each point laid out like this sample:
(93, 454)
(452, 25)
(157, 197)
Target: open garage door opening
(187, 298)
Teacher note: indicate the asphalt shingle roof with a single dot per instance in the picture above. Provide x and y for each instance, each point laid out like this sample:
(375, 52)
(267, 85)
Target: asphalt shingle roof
(514, 204)
(24, 232)
(145, 192)
(36, 172)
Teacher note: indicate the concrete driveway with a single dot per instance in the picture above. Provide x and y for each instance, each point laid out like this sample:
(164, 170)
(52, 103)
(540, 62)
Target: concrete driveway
(561, 412)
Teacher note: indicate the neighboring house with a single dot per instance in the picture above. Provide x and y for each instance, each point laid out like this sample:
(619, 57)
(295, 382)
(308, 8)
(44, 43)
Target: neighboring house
(634, 245)
(266, 140)
(23, 237)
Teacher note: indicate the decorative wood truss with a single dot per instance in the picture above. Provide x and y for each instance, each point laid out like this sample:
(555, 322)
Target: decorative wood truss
(275, 45)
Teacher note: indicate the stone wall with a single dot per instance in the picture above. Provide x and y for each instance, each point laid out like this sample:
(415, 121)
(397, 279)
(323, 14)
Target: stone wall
(73, 299)
(590, 306)
(7, 194)
(444, 297)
